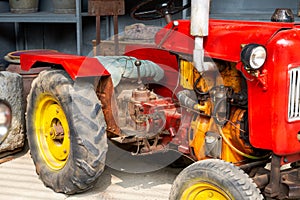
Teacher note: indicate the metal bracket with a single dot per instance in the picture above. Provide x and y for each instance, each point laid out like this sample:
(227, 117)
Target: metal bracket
(106, 8)
(262, 78)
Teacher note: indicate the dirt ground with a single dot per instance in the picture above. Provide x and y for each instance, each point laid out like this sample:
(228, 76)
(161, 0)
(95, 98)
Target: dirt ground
(19, 181)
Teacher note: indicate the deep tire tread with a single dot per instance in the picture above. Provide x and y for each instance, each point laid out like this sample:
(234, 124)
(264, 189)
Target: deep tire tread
(237, 181)
(90, 147)
(87, 157)
(99, 136)
(88, 169)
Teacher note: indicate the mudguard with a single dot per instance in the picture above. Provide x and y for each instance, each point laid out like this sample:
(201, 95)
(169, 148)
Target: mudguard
(75, 66)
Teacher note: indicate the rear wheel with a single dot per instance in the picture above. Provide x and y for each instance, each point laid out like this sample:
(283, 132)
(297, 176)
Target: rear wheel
(214, 179)
(66, 132)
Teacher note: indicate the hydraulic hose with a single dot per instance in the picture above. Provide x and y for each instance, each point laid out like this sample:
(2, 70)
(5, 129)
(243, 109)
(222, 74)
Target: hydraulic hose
(185, 98)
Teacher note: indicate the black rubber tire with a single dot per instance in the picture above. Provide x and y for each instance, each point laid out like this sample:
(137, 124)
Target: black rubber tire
(88, 144)
(223, 175)
(11, 91)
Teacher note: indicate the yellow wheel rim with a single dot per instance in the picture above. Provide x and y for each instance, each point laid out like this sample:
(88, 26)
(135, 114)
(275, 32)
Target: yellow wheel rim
(204, 191)
(52, 132)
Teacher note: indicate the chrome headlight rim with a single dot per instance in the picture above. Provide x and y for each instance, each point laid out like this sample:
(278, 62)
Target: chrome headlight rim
(253, 56)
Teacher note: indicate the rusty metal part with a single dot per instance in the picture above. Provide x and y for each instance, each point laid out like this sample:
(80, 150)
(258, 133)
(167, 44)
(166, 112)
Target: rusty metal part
(116, 37)
(142, 114)
(277, 183)
(135, 140)
(181, 138)
(143, 145)
(57, 132)
(249, 166)
(106, 8)
(151, 148)
(273, 188)
(150, 118)
(142, 95)
(144, 119)
(261, 178)
(98, 35)
(148, 148)
(125, 140)
(105, 93)
(291, 180)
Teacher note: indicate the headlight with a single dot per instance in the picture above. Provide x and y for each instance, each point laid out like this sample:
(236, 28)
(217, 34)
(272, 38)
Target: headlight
(253, 56)
(5, 120)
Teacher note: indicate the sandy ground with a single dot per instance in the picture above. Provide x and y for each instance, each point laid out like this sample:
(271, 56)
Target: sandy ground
(19, 181)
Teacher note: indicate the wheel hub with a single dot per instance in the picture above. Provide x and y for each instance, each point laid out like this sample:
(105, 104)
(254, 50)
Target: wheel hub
(57, 132)
(206, 191)
(52, 132)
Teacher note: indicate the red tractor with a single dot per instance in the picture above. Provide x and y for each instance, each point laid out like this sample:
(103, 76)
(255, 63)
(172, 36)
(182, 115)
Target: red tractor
(224, 93)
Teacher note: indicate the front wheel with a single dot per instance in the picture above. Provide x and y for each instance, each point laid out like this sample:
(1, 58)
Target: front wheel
(66, 132)
(214, 179)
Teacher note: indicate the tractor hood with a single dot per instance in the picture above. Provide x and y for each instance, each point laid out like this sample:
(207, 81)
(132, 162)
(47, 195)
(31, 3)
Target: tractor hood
(224, 40)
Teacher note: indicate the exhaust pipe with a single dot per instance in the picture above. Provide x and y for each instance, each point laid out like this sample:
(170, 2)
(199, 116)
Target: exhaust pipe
(199, 29)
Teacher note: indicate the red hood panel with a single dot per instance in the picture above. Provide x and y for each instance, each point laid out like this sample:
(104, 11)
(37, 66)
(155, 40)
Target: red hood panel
(225, 37)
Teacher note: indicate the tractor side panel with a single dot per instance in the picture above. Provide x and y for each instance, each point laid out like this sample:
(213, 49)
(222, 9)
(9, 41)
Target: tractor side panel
(270, 121)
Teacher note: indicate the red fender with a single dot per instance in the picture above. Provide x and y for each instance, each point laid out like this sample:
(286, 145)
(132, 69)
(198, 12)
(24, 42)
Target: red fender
(75, 66)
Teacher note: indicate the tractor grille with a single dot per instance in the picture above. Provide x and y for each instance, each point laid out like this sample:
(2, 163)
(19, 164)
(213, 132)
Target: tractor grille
(294, 95)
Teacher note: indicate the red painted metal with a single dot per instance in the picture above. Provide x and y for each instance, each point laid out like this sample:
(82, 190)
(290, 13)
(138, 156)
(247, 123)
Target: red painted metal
(268, 110)
(168, 107)
(268, 92)
(165, 59)
(224, 39)
(159, 56)
(76, 66)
